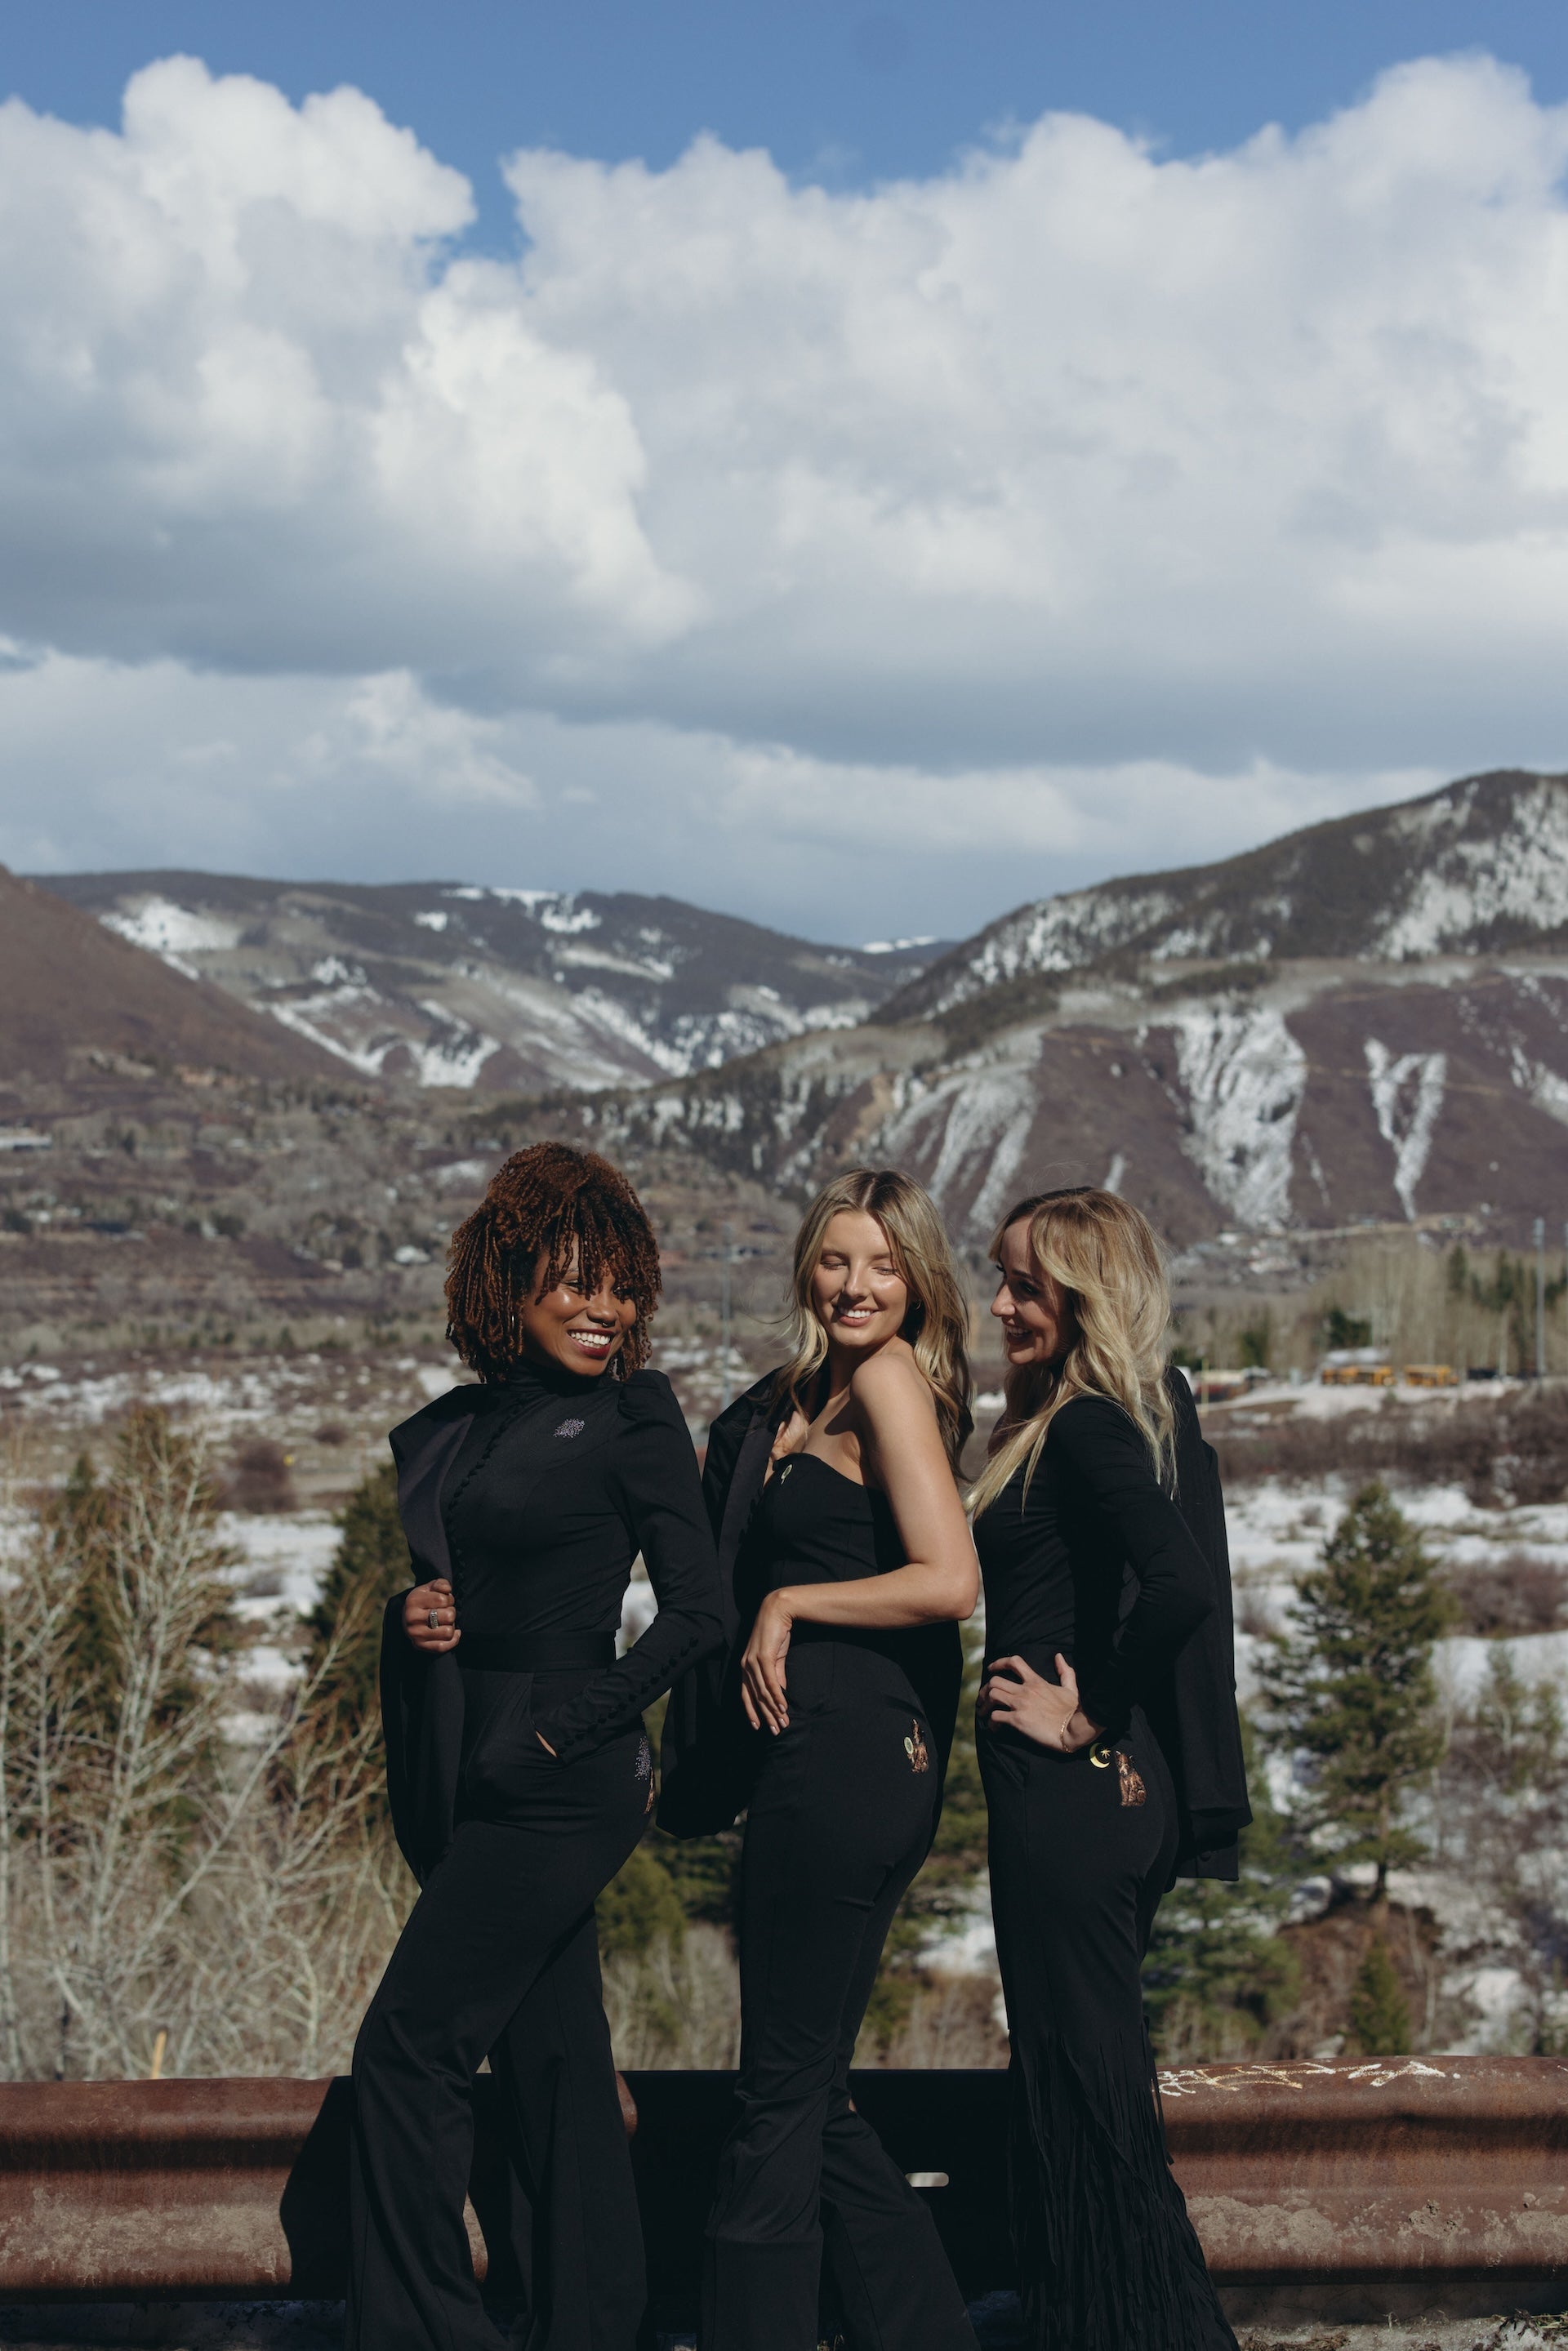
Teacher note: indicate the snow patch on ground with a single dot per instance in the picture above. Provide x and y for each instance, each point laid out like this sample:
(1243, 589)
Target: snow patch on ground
(292, 1551)
(965, 1943)
(1277, 1533)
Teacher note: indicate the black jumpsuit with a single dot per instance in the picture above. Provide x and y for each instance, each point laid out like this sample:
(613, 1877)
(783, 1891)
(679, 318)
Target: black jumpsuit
(1081, 1848)
(844, 1808)
(542, 1491)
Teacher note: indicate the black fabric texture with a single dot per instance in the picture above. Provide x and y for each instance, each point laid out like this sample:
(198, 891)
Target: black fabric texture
(1133, 1588)
(1053, 1558)
(708, 1755)
(500, 1959)
(1193, 1709)
(422, 1697)
(814, 1525)
(844, 1808)
(548, 1502)
(533, 1499)
(1107, 2257)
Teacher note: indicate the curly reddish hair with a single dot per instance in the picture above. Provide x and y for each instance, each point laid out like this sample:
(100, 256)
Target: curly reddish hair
(549, 1203)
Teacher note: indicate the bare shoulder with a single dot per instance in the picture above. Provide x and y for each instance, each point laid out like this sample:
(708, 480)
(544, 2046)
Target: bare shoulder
(891, 1381)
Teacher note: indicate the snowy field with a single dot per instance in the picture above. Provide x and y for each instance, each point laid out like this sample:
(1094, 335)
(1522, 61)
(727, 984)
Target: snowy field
(1277, 1532)
(1278, 1529)
(266, 1394)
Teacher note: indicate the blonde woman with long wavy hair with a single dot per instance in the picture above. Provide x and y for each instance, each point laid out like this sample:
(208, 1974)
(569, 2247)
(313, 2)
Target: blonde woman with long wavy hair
(848, 1563)
(1085, 1822)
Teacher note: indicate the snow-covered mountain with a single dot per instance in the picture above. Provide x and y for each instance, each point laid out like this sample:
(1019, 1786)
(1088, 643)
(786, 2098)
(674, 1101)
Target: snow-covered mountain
(451, 984)
(1479, 867)
(1328, 1095)
(1367, 1021)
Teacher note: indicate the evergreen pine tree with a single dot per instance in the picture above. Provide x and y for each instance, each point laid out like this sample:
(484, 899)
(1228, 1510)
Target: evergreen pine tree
(1351, 1685)
(371, 1562)
(1379, 2012)
(1217, 1974)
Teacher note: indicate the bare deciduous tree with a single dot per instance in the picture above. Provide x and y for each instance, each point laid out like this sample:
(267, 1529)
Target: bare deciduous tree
(173, 1860)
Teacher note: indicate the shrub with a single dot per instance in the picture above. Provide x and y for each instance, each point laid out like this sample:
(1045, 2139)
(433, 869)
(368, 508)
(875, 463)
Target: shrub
(640, 1908)
(1517, 1593)
(259, 1480)
(1379, 2012)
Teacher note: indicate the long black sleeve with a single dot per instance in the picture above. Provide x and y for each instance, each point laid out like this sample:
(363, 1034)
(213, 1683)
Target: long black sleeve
(1103, 1452)
(654, 1474)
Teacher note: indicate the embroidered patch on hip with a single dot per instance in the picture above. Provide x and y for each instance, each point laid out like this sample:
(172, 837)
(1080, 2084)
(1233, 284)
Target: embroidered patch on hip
(572, 1429)
(914, 1748)
(1133, 1789)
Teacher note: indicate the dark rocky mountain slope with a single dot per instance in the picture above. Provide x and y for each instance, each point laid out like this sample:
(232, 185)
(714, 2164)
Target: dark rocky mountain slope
(76, 995)
(448, 983)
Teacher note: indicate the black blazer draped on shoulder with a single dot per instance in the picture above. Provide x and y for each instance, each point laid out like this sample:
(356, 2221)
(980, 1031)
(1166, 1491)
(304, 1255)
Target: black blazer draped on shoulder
(1192, 1711)
(707, 1756)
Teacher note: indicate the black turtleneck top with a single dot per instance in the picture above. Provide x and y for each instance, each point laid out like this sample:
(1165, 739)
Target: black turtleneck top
(554, 1490)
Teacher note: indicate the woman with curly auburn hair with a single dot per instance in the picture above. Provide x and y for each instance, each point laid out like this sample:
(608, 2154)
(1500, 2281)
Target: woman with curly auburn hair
(519, 1774)
(1110, 1754)
(847, 1564)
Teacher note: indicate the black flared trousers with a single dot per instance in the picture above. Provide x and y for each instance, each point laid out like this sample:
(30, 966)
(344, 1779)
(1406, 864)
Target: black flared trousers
(844, 1811)
(500, 1959)
(1081, 1852)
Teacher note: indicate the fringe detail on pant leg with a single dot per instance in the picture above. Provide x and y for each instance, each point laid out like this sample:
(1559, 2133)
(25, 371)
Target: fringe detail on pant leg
(1108, 2260)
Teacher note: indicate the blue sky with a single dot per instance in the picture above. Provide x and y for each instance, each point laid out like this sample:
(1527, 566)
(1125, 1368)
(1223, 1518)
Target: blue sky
(847, 94)
(857, 467)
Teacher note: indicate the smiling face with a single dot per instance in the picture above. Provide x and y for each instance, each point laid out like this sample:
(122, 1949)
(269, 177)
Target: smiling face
(858, 1294)
(1037, 1321)
(565, 1328)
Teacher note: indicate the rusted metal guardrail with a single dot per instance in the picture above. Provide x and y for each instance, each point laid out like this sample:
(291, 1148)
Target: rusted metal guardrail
(1433, 2171)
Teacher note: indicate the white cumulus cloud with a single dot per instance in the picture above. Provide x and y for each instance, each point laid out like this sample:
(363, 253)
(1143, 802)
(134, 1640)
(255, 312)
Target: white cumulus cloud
(1075, 504)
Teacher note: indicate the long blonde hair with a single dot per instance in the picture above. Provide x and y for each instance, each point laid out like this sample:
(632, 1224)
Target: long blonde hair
(1104, 1259)
(937, 1322)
